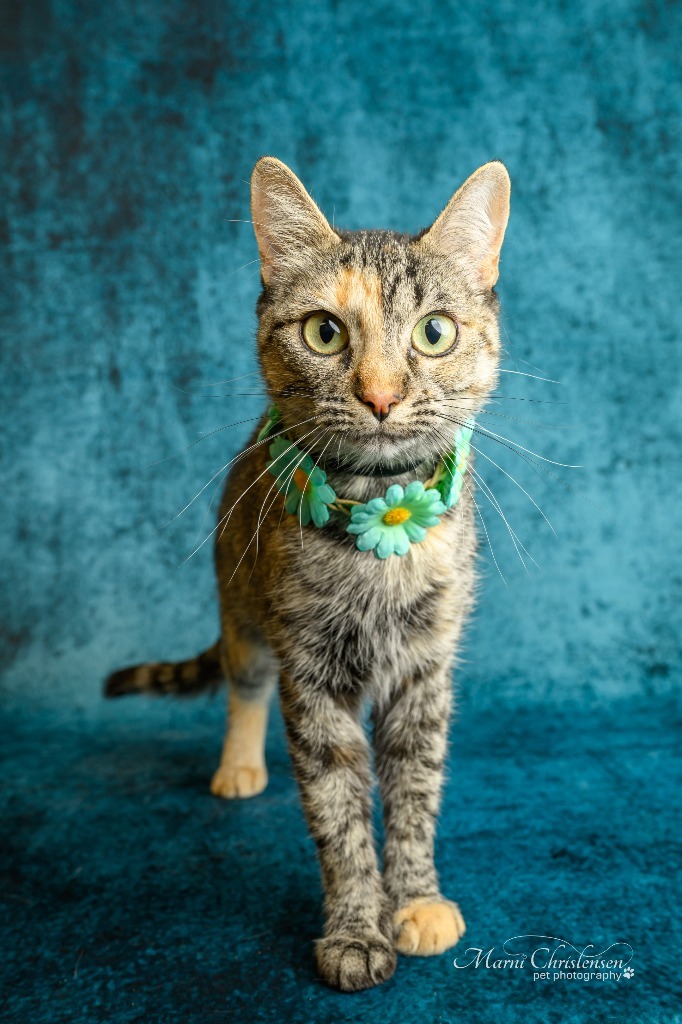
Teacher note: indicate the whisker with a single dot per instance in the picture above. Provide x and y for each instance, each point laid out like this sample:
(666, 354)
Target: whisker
(537, 468)
(532, 365)
(274, 485)
(226, 518)
(216, 491)
(244, 266)
(224, 394)
(516, 540)
(446, 458)
(480, 516)
(218, 383)
(300, 505)
(513, 480)
(520, 373)
(314, 441)
(274, 499)
(531, 462)
(510, 398)
(240, 455)
(203, 437)
(496, 505)
(452, 402)
(307, 450)
(263, 392)
(487, 432)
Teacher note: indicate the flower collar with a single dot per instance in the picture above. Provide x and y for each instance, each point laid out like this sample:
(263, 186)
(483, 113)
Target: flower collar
(387, 525)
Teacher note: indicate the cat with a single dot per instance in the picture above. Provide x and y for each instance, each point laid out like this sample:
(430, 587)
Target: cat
(376, 348)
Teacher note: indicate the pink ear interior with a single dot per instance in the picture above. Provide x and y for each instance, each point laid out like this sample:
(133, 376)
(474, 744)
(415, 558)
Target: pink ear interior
(499, 215)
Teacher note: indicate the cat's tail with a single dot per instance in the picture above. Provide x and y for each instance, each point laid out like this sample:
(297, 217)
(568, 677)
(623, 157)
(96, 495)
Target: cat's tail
(169, 678)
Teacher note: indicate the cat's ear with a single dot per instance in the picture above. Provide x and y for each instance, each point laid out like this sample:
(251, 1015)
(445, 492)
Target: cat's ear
(471, 228)
(286, 220)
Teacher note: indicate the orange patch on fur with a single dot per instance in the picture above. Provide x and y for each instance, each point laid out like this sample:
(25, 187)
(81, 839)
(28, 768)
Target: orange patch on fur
(301, 479)
(361, 293)
(352, 286)
(426, 928)
(242, 771)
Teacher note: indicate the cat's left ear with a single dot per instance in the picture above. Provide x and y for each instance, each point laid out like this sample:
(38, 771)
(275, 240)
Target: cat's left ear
(471, 228)
(288, 224)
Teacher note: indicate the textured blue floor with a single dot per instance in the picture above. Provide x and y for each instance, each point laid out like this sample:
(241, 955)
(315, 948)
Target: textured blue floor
(127, 892)
(133, 895)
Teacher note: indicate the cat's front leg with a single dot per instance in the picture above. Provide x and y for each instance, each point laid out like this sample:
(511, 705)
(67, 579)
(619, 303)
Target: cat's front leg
(331, 760)
(411, 740)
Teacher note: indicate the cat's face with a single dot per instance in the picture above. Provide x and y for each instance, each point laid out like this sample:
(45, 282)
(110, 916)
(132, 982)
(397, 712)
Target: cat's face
(378, 344)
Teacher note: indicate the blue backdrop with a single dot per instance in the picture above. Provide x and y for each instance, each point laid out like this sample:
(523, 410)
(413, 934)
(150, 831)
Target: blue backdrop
(129, 284)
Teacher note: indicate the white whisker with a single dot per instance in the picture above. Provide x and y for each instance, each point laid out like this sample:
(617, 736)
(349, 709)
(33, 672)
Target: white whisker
(293, 444)
(513, 480)
(203, 437)
(236, 458)
(217, 383)
(520, 373)
(516, 540)
(491, 497)
(226, 518)
(287, 468)
(487, 432)
(480, 516)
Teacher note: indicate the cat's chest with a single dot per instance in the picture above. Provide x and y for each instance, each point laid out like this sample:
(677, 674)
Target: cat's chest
(352, 615)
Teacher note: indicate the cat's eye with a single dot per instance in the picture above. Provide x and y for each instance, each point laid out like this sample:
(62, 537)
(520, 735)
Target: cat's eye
(325, 334)
(434, 335)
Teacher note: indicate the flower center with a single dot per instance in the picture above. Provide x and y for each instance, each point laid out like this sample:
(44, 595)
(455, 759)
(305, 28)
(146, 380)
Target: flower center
(302, 480)
(396, 516)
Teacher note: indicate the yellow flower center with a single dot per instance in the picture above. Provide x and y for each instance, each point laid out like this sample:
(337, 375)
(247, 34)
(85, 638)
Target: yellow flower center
(396, 516)
(302, 480)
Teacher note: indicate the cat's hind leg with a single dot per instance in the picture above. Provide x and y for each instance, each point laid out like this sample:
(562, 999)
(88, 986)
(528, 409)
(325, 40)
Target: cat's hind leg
(251, 670)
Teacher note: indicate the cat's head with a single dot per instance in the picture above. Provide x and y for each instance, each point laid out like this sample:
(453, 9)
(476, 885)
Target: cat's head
(375, 345)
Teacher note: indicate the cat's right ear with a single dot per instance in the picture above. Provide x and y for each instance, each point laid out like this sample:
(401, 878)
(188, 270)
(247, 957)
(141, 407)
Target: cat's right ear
(286, 220)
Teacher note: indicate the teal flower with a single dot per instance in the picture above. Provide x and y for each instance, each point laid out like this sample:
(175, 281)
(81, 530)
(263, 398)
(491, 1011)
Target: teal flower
(389, 525)
(304, 485)
(455, 464)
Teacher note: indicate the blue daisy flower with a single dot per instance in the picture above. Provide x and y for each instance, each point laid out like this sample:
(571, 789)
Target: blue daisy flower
(389, 525)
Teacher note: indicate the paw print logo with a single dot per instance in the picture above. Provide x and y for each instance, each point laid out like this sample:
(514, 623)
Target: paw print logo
(628, 972)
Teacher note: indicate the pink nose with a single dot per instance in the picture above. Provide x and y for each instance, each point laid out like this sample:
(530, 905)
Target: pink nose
(380, 402)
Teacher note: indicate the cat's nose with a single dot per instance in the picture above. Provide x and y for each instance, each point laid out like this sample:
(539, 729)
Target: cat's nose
(380, 402)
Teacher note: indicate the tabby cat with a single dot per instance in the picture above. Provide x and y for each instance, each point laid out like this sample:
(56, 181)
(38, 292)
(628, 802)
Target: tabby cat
(376, 348)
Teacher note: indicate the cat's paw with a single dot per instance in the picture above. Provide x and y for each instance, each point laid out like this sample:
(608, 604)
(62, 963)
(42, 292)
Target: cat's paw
(427, 927)
(233, 782)
(351, 963)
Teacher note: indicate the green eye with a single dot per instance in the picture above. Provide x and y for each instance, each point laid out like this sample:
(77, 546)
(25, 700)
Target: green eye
(435, 335)
(325, 334)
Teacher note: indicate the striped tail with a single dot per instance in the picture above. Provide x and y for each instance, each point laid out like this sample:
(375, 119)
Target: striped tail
(169, 678)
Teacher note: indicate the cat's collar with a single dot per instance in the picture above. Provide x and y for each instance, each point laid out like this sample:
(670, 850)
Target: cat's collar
(387, 525)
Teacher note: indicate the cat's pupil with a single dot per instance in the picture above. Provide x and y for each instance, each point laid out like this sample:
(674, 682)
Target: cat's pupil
(328, 331)
(433, 331)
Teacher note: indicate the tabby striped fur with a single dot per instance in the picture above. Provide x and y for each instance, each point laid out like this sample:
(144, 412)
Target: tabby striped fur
(336, 627)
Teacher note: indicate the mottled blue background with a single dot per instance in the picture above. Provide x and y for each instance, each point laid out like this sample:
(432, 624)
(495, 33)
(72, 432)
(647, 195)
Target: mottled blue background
(130, 130)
